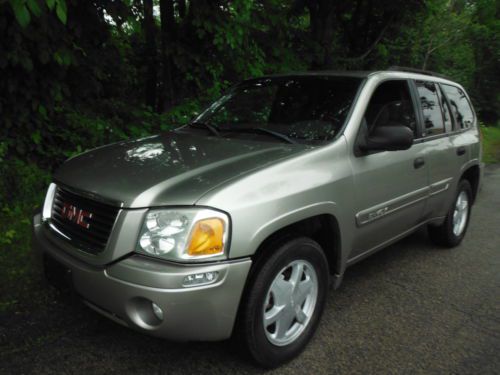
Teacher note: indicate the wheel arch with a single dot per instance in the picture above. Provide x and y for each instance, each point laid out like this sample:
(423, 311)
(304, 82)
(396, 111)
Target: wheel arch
(472, 175)
(322, 228)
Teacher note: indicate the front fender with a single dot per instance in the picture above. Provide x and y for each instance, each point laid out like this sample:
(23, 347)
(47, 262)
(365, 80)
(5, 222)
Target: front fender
(294, 216)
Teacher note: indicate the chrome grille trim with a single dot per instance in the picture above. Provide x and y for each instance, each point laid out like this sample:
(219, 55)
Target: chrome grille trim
(92, 240)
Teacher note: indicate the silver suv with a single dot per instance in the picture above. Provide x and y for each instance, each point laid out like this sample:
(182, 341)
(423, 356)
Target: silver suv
(240, 220)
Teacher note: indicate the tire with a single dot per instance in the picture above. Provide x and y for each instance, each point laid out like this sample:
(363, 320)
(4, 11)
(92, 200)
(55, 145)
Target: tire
(448, 234)
(296, 273)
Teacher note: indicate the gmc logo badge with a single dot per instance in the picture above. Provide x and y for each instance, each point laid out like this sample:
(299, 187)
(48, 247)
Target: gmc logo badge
(76, 215)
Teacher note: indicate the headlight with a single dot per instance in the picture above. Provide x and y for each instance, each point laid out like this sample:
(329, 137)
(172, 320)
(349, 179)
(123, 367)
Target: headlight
(47, 204)
(184, 234)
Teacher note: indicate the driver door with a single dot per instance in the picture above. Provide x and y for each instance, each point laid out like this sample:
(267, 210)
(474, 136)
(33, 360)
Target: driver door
(391, 187)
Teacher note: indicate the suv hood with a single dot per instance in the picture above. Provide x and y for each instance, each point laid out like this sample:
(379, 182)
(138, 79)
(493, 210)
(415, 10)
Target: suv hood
(175, 168)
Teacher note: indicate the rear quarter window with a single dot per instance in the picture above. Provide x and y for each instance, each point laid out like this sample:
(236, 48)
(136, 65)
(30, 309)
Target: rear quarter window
(460, 106)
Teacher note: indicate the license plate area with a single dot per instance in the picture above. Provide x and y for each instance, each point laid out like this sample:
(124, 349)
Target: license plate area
(58, 275)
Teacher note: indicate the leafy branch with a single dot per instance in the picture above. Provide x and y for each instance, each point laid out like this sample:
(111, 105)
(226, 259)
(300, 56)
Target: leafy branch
(25, 9)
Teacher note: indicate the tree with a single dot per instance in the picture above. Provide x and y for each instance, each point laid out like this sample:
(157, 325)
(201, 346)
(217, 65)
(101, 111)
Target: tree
(168, 28)
(345, 33)
(484, 33)
(150, 55)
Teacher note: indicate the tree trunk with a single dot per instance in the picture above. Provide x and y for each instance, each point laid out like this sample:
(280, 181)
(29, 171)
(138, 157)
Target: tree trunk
(427, 55)
(150, 34)
(181, 6)
(321, 28)
(166, 96)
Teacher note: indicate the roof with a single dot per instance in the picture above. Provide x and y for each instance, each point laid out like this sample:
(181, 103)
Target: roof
(322, 73)
(399, 72)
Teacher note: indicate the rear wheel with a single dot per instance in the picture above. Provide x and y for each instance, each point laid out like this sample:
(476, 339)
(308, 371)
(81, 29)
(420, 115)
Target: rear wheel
(285, 300)
(452, 231)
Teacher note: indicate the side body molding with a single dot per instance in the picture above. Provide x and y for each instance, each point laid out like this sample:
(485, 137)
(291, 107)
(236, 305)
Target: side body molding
(386, 208)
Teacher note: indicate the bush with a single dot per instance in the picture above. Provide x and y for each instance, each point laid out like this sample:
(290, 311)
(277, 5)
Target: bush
(22, 188)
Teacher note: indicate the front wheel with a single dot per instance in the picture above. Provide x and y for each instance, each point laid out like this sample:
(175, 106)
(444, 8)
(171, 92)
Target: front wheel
(285, 300)
(452, 231)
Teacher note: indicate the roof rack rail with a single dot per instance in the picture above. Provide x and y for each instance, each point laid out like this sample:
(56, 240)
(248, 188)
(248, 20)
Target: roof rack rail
(415, 70)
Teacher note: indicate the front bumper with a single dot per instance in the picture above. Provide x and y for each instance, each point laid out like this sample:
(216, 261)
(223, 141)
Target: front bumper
(123, 291)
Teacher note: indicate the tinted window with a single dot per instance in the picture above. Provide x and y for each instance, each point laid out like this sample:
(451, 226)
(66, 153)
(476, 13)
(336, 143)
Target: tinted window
(429, 102)
(305, 107)
(460, 106)
(448, 124)
(391, 105)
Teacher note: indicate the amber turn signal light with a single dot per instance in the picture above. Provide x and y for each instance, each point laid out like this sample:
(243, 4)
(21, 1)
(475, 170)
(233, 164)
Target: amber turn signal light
(207, 237)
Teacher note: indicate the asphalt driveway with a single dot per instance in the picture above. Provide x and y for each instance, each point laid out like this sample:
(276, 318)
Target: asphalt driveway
(411, 308)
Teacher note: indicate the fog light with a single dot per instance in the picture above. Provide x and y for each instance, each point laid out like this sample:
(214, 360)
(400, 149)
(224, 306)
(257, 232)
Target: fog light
(200, 278)
(157, 311)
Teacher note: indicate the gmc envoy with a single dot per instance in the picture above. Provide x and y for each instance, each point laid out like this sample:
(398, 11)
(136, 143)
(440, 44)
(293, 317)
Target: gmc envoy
(240, 220)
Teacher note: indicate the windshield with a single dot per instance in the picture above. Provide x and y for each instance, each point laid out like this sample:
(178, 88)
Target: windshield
(303, 108)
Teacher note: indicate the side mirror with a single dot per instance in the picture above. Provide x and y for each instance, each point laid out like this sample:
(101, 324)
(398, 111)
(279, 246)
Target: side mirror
(388, 138)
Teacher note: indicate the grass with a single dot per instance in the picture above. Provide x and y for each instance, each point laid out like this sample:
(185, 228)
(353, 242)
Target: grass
(491, 144)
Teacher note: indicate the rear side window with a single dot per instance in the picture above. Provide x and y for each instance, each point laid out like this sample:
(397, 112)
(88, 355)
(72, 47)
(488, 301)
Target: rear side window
(446, 112)
(460, 106)
(429, 102)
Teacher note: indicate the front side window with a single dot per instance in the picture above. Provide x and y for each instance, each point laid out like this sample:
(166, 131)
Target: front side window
(303, 108)
(431, 110)
(390, 105)
(460, 106)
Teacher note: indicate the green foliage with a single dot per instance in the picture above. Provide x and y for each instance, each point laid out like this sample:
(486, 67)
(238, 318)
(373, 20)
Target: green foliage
(74, 72)
(491, 144)
(50, 71)
(21, 12)
(23, 9)
(484, 32)
(22, 187)
(21, 182)
(61, 10)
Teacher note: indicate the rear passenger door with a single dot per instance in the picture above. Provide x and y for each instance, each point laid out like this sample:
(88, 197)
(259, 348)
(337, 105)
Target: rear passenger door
(444, 152)
(464, 142)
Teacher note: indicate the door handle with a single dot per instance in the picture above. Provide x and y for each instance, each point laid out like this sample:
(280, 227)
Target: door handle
(418, 162)
(461, 150)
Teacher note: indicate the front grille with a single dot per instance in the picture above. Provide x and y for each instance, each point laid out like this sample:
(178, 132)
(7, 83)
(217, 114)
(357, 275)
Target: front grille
(91, 234)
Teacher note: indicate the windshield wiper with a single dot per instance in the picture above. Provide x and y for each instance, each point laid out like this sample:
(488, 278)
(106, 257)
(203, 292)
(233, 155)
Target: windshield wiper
(214, 129)
(200, 125)
(272, 133)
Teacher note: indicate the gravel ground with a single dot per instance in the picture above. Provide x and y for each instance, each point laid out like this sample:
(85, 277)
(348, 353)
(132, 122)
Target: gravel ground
(411, 308)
